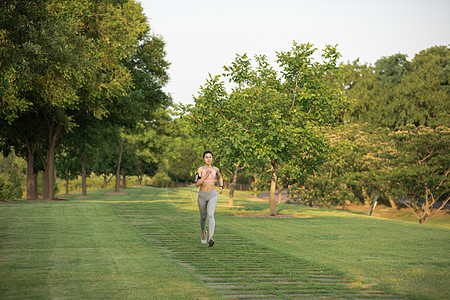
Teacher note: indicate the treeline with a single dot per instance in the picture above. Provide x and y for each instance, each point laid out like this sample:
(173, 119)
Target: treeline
(395, 143)
(81, 84)
(335, 134)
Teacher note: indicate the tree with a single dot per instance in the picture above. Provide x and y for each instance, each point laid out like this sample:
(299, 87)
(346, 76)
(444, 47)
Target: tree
(422, 169)
(69, 56)
(397, 92)
(183, 150)
(228, 155)
(357, 168)
(272, 118)
(375, 90)
(104, 163)
(82, 146)
(141, 106)
(67, 166)
(27, 139)
(424, 91)
(181, 162)
(394, 94)
(145, 144)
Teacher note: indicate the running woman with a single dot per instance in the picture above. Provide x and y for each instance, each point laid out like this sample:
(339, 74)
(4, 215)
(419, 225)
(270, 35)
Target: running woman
(207, 196)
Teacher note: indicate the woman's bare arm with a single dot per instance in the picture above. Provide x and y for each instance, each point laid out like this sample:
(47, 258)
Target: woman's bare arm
(201, 180)
(220, 180)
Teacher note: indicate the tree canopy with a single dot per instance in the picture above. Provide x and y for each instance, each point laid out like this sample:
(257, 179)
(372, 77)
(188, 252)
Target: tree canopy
(272, 117)
(397, 92)
(65, 59)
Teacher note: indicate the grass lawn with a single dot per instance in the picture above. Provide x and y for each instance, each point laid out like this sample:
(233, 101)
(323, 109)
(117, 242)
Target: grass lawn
(146, 244)
(84, 250)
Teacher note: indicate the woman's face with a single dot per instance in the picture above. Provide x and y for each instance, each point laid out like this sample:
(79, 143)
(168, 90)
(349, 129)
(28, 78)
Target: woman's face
(208, 158)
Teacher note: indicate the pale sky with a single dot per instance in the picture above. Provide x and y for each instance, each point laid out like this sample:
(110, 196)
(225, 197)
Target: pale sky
(202, 36)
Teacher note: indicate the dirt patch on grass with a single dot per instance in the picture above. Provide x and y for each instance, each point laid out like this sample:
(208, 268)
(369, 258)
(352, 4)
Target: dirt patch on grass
(116, 193)
(24, 200)
(55, 199)
(278, 216)
(257, 199)
(83, 197)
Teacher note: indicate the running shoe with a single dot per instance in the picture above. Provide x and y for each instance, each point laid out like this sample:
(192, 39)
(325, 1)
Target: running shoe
(204, 238)
(211, 242)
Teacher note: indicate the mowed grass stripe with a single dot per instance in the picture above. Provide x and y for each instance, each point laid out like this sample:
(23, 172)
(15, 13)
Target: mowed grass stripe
(235, 267)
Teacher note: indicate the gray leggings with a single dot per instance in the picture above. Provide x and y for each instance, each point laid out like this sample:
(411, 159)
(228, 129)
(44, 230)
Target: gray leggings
(205, 198)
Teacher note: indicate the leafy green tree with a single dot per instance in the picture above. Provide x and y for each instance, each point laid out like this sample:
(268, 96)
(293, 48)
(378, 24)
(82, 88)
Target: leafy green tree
(227, 156)
(161, 179)
(3, 188)
(327, 186)
(70, 54)
(424, 90)
(272, 118)
(180, 164)
(82, 146)
(67, 166)
(421, 173)
(183, 150)
(48, 77)
(104, 163)
(358, 83)
(375, 90)
(146, 145)
(140, 107)
(397, 92)
(358, 168)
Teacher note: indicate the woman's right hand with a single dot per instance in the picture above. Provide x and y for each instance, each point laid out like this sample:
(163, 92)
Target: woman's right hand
(208, 172)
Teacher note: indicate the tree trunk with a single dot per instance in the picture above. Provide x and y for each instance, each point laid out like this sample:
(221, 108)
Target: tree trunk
(426, 210)
(51, 171)
(30, 172)
(67, 185)
(391, 202)
(83, 176)
(45, 191)
(124, 181)
(35, 186)
(365, 197)
(273, 187)
(105, 183)
(117, 189)
(255, 189)
(280, 191)
(48, 180)
(231, 194)
(140, 180)
(233, 184)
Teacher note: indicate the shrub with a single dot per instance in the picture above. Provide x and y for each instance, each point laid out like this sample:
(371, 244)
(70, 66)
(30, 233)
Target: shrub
(10, 190)
(160, 179)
